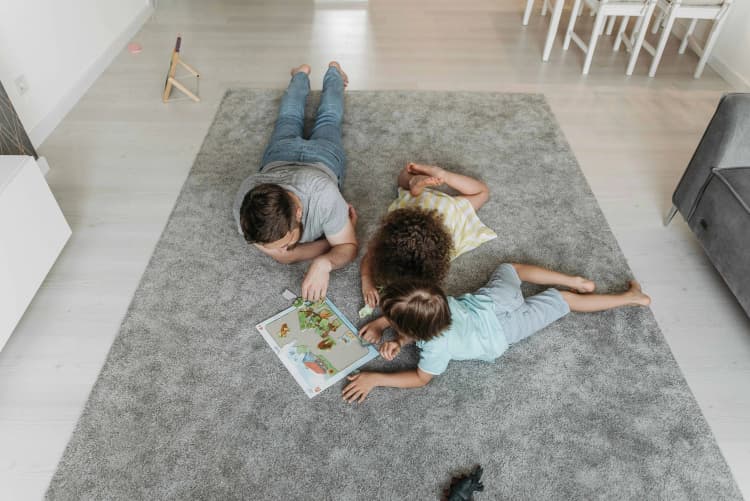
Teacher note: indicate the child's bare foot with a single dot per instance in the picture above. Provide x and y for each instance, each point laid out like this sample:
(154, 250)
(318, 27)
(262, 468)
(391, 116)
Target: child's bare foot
(636, 295)
(418, 183)
(427, 170)
(304, 68)
(582, 285)
(344, 76)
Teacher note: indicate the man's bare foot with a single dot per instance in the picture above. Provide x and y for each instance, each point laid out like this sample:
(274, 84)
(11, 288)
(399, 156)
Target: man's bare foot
(418, 183)
(344, 76)
(636, 295)
(304, 68)
(582, 285)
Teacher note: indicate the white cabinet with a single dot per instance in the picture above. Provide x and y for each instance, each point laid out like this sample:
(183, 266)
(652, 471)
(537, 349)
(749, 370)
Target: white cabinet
(33, 231)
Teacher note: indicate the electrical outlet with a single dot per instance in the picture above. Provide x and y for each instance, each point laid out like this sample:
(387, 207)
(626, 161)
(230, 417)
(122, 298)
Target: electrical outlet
(22, 84)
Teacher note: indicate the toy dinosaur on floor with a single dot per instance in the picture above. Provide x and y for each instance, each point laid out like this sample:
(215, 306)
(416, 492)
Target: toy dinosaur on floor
(463, 486)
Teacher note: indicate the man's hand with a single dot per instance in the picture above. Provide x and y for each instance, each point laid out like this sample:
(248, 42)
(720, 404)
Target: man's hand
(372, 332)
(301, 252)
(315, 284)
(390, 349)
(360, 386)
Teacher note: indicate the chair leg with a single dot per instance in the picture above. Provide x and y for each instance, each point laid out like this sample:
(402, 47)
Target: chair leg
(545, 7)
(580, 10)
(611, 24)
(641, 36)
(636, 28)
(710, 42)
(670, 215)
(571, 25)
(598, 23)
(552, 30)
(527, 11)
(620, 33)
(688, 33)
(662, 42)
(657, 22)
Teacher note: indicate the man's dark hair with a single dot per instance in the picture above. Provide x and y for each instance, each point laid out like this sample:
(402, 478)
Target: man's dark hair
(266, 214)
(416, 309)
(411, 243)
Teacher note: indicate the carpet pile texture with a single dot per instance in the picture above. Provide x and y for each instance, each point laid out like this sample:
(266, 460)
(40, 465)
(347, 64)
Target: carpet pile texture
(193, 404)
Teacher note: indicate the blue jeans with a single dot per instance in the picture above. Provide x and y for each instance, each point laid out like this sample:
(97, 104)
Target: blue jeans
(324, 145)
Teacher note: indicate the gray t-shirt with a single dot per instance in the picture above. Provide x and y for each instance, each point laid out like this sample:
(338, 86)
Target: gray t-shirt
(324, 210)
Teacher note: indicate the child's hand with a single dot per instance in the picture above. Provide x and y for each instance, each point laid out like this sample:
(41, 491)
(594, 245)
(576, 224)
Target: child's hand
(390, 349)
(360, 386)
(370, 293)
(371, 332)
(353, 217)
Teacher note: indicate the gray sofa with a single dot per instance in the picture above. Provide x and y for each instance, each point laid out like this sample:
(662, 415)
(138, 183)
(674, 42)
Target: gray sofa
(714, 194)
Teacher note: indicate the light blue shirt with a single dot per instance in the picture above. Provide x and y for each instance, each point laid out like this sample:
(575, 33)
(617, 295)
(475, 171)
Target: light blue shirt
(475, 334)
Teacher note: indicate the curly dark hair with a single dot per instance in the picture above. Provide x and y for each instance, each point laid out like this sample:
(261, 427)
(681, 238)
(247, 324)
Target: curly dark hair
(411, 243)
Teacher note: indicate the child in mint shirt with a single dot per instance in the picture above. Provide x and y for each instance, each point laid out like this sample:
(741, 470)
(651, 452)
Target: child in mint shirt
(478, 326)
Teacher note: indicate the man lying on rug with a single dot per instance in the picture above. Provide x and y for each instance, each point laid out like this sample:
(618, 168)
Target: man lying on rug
(292, 209)
(477, 326)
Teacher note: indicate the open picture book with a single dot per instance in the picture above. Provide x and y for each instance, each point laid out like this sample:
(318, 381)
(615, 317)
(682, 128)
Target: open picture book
(317, 344)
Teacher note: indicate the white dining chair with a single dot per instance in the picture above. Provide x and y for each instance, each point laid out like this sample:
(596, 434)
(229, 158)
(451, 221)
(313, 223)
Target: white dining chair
(530, 7)
(640, 9)
(671, 10)
(555, 7)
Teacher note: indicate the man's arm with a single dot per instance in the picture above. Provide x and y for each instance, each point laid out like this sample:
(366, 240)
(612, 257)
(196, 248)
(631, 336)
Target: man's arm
(361, 384)
(343, 251)
(309, 250)
(344, 247)
(301, 252)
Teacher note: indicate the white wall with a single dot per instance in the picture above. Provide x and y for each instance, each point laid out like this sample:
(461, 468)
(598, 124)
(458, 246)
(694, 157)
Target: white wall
(732, 50)
(61, 46)
(730, 55)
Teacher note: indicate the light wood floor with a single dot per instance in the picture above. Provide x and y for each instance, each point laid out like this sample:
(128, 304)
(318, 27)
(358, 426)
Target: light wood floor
(120, 157)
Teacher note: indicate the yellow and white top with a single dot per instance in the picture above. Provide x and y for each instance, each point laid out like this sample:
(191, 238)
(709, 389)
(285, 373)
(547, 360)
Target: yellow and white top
(462, 222)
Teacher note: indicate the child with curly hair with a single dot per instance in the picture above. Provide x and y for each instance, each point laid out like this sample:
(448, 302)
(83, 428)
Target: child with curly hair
(424, 229)
(478, 326)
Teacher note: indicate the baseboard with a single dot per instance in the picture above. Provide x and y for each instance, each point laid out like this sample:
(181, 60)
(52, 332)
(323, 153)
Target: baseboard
(41, 162)
(45, 126)
(733, 78)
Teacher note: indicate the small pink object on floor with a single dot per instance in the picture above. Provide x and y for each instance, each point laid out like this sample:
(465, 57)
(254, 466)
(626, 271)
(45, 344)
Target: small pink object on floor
(134, 48)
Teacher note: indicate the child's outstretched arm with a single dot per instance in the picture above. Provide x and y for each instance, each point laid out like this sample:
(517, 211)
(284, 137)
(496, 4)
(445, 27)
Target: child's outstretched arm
(369, 291)
(361, 384)
(473, 190)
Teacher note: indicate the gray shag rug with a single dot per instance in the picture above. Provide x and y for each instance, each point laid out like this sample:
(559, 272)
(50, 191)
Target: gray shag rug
(193, 404)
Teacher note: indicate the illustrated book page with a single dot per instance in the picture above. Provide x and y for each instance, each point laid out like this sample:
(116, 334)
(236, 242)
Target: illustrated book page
(316, 343)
